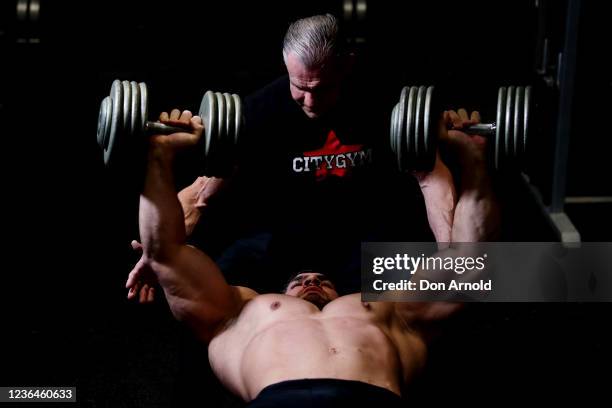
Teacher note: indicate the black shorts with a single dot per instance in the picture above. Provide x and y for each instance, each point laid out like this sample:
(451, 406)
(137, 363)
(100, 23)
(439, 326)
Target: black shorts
(324, 393)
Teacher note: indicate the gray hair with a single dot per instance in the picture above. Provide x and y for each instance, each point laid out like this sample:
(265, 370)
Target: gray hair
(313, 39)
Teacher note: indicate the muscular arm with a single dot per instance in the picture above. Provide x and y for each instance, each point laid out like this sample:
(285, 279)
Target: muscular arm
(194, 199)
(194, 286)
(474, 218)
(440, 199)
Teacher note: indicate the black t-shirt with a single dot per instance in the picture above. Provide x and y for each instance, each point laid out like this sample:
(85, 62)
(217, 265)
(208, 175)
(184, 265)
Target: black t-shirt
(315, 169)
(327, 183)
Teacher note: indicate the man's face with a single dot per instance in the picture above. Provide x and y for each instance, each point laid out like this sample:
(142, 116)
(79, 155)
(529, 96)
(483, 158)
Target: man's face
(313, 287)
(315, 89)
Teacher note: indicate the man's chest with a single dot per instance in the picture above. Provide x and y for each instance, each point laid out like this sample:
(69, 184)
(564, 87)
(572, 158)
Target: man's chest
(269, 311)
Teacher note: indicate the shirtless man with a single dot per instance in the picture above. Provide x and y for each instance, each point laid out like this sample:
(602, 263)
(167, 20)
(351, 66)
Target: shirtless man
(309, 346)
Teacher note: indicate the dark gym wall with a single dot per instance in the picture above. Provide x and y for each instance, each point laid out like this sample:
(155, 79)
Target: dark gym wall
(66, 232)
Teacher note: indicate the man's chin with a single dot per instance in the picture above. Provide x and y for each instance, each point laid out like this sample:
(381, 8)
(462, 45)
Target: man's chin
(311, 114)
(316, 299)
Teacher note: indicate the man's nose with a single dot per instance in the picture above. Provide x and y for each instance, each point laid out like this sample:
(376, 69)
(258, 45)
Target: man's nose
(308, 100)
(312, 282)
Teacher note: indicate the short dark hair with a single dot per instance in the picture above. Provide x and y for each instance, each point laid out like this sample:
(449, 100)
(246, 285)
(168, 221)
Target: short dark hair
(293, 275)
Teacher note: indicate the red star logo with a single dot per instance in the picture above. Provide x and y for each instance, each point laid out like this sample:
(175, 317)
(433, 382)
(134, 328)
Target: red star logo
(332, 146)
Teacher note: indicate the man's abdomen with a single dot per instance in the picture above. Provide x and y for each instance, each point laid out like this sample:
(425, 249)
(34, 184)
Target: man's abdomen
(342, 348)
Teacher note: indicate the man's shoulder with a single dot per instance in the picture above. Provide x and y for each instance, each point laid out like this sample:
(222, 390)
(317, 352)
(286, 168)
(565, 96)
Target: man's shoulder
(246, 294)
(278, 88)
(269, 105)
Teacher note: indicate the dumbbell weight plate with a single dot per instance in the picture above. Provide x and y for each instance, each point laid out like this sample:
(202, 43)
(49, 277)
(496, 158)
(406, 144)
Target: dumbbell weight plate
(410, 134)
(393, 130)
(513, 121)
(413, 129)
(425, 129)
(417, 120)
(230, 120)
(135, 108)
(401, 128)
(238, 117)
(127, 106)
(116, 96)
(144, 104)
(122, 113)
(518, 125)
(527, 106)
(499, 149)
(419, 127)
(430, 130)
(221, 130)
(208, 113)
(228, 138)
(509, 139)
(213, 159)
(104, 123)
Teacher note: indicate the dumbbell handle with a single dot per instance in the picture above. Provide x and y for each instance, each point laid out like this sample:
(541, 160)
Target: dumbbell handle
(482, 129)
(156, 128)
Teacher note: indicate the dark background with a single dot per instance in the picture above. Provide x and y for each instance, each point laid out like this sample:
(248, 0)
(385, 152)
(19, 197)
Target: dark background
(66, 227)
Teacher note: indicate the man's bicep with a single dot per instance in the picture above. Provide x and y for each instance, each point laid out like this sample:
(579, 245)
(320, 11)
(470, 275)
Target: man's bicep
(197, 291)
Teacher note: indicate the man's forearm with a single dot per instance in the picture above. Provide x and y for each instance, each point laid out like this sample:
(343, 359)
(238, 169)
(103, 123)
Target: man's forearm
(476, 217)
(196, 198)
(162, 227)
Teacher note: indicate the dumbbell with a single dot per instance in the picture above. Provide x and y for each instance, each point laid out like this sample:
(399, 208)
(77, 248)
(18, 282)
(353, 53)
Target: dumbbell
(123, 125)
(414, 128)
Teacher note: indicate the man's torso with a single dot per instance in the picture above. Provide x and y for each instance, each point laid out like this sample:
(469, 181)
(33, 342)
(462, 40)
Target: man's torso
(278, 338)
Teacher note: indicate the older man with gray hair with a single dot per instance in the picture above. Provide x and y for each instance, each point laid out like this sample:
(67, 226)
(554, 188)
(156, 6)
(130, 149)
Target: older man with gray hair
(316, 63)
